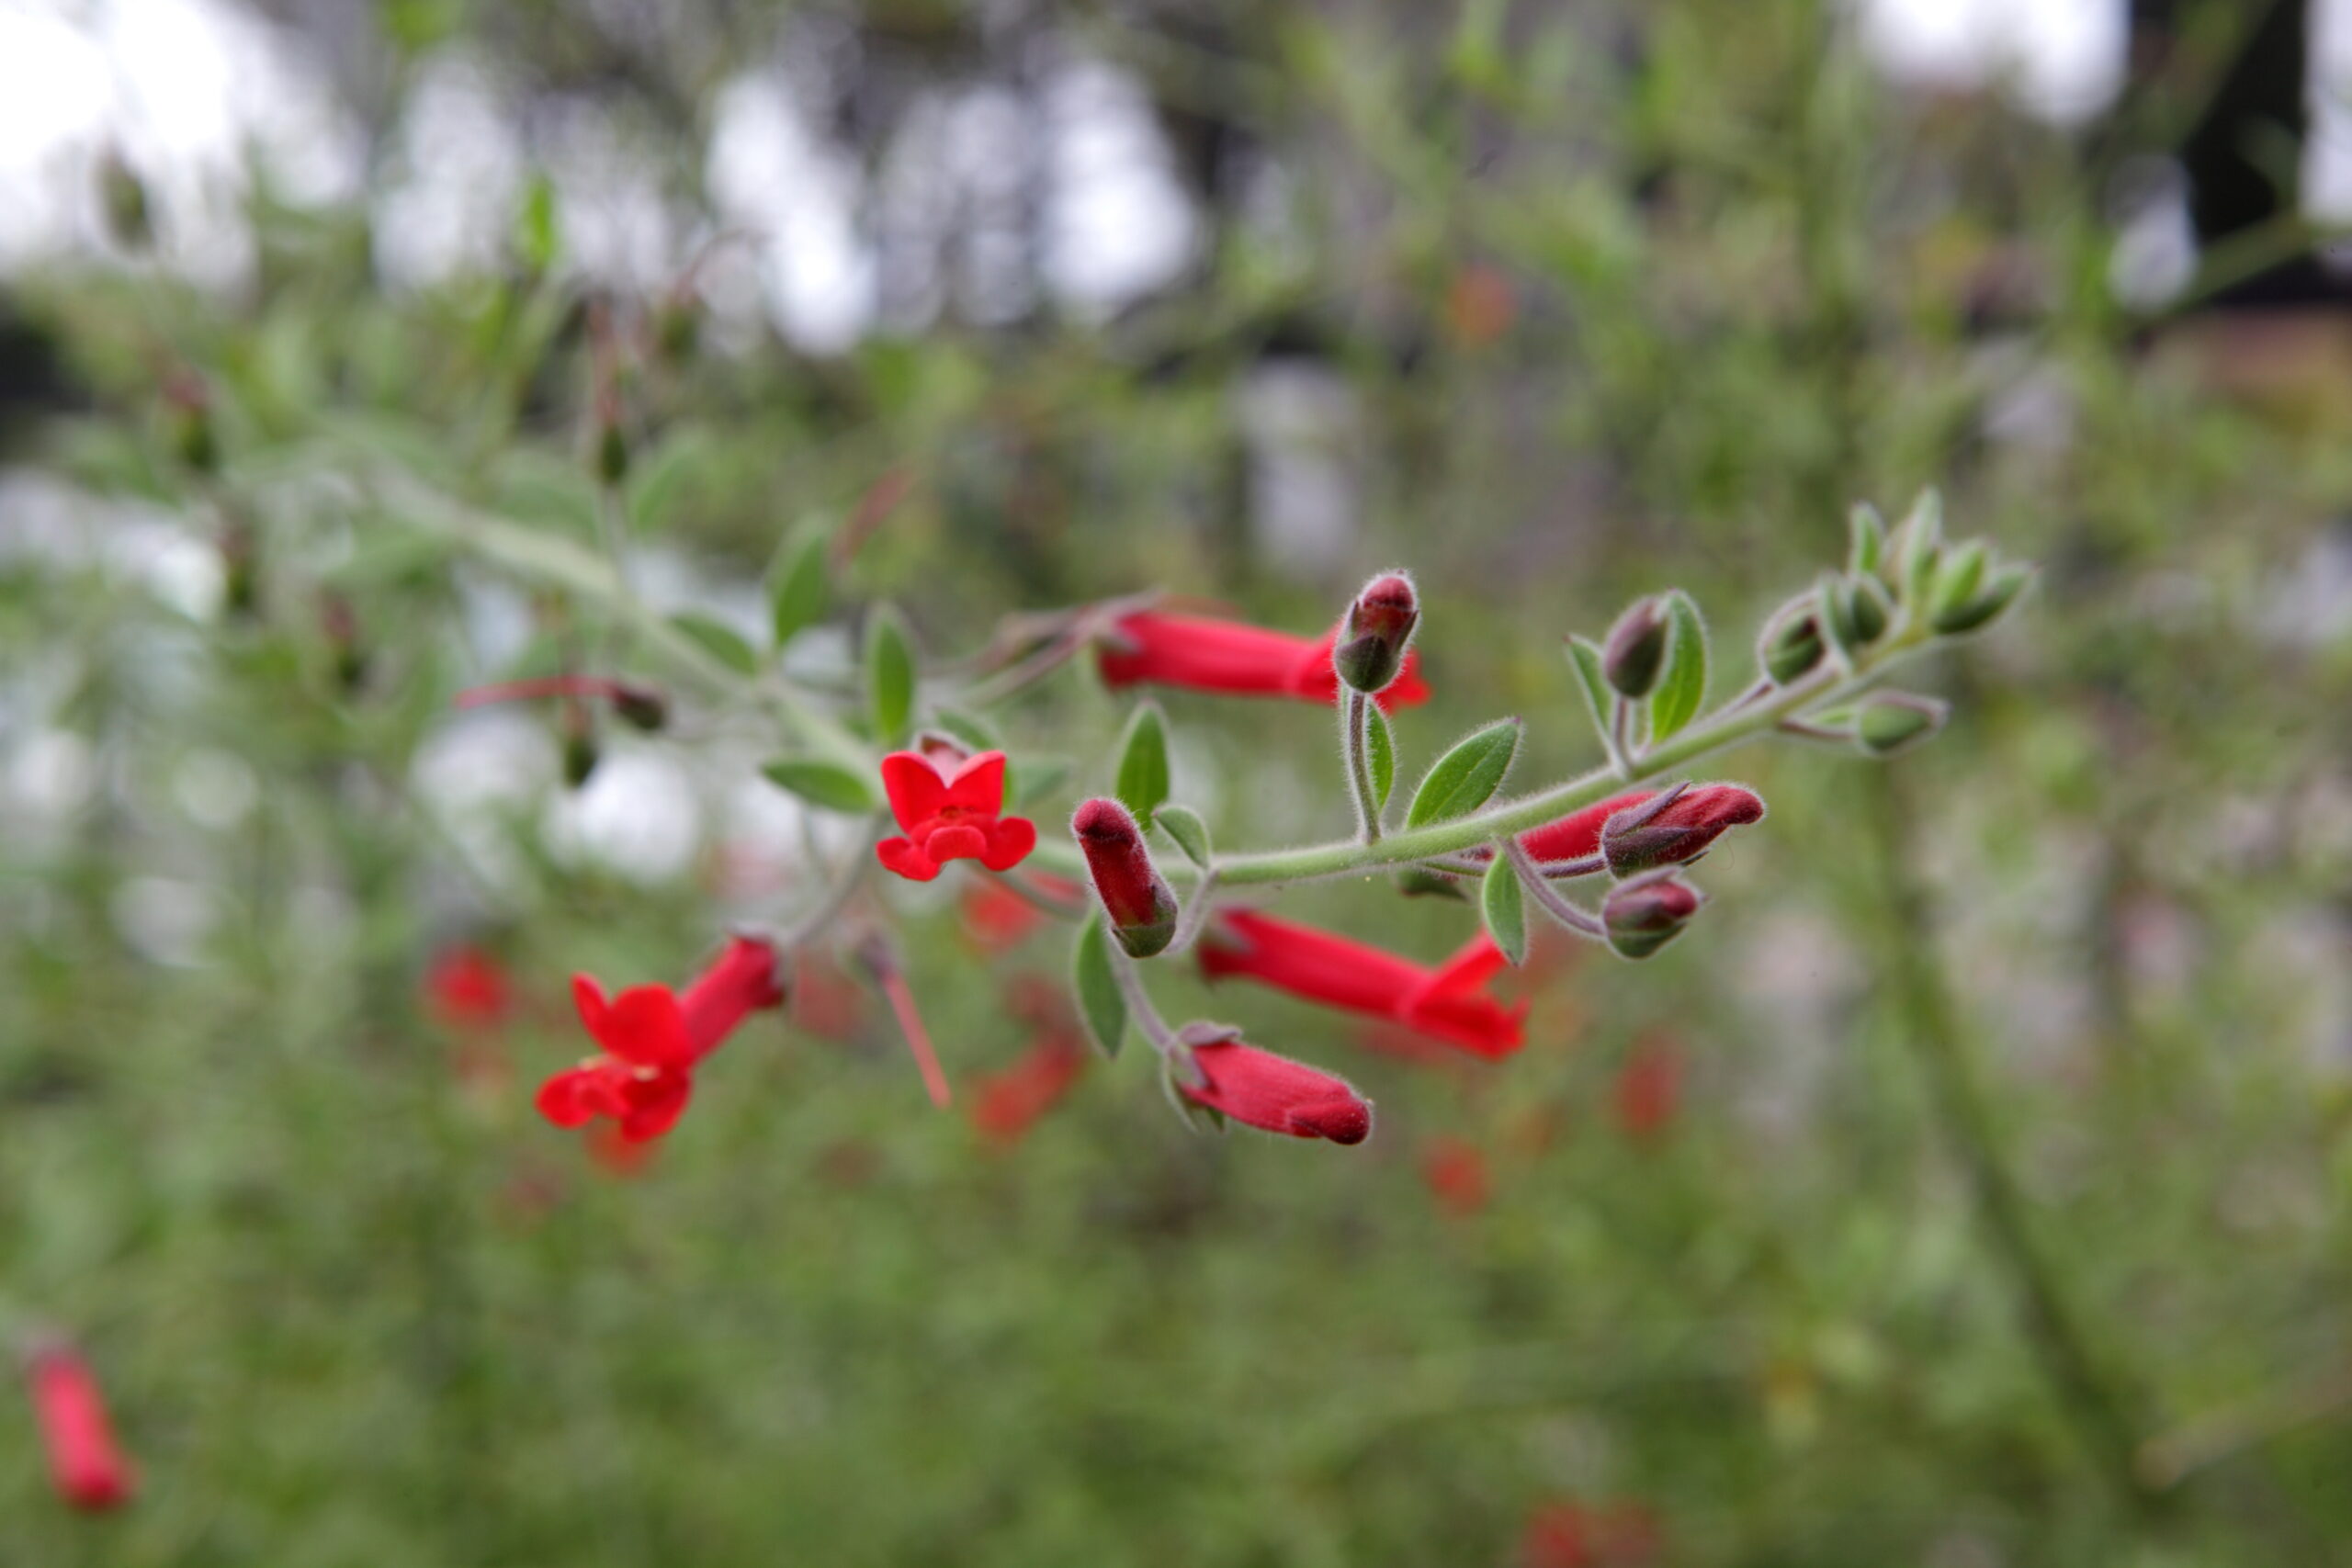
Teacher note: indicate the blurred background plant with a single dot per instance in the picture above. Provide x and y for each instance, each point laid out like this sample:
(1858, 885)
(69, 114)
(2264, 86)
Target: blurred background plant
(1968, 1189)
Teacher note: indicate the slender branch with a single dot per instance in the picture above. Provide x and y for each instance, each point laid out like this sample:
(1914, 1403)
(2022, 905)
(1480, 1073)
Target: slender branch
(2167, 1459)
(1197, 909)
(1549, 898)
(1138, 998)
(1724, 728)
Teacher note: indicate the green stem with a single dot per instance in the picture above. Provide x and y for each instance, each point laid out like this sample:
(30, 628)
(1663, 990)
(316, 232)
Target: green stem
(1726, 728)
(1354, 719)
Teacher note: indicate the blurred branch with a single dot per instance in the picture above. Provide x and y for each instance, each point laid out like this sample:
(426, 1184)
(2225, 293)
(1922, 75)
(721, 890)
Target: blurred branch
(2170, 1458)
(1929, 1025)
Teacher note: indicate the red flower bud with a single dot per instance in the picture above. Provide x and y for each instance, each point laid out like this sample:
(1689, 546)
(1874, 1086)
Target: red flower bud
(1675, 830)
(85, 1464)
(1275, 1094)
(1141, 905)
(1370, 652)
(1645, 914)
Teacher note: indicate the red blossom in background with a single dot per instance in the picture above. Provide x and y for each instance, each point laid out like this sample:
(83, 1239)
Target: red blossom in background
(85, 1464)
(1152, 647)
(466, 988)
(1456, 1172)
(1649, 1086)
(997, 919)
(950, 812)
(1275, 1094)
(1446, 1003)
(1009, 1103)
(652, 1040)
(825, 1002)
(1569, 1535)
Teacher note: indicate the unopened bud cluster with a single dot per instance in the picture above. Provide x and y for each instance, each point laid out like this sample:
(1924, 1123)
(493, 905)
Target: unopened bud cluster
(1369, 652)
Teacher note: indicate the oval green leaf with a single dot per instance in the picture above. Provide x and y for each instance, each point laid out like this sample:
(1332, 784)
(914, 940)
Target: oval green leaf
(1143, 764)
(1380, 754)
(718, 640)
(889, 675)
(1466, 777)
(828, 785)
(1502, 903)
(1183, 825)
(1682, 686)
(1099, 1001)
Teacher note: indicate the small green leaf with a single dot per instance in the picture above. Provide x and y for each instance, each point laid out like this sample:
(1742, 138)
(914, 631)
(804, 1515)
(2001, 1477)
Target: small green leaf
(1503, 904)
(828, 785)
(1835, 615)
(889, 675)
(1036, 778)
(1099, 1001)
(1683, 685)
(1466, 777)
(1599, 700)
(797, 589)
(535, 225)
(1869, 539)
(1380, 754)
(718, 640)
(1183, 825)
(1143, 764)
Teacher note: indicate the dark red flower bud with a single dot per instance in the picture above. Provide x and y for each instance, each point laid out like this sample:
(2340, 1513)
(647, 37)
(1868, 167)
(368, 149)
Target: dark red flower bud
(1635, 650)
(1275, 1094)
(85, 1464)
(1645, 914)
(1369, 652)
(1141, 905)
(1675, 829)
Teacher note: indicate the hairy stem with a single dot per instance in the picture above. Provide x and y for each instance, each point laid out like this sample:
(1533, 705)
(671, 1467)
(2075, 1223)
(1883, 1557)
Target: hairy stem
(1724, 728)
(1354, 719)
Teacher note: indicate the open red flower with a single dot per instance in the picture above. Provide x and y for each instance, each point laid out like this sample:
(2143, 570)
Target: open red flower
(1275, 1094)
(1447, 1003)
(466, 988)
(654, 1039)
(85, 1464)
(950, 811)
(1206, 655)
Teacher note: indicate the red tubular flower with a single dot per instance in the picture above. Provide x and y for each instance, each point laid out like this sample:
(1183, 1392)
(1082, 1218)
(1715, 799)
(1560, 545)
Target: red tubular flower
(1209, 655)
(950, 811)
(1578, 834)
(1446, 1003)
(652, 1040)
(466, 988)
(1456, 1175)
(85, 1464)
(1275, 1094)
(1649, 1086)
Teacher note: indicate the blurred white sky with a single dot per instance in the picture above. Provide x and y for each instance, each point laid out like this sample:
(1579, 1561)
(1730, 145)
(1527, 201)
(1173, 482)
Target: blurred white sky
(187, 88)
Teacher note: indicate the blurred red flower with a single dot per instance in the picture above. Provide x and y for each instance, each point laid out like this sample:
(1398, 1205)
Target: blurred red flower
(466, 988)
(1649, 1086)
(85, 1464)
(1569, 1535)
(1456, 1174)
(654, 1039)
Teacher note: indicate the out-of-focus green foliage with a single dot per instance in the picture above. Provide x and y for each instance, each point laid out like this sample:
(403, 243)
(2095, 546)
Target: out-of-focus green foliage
(1624, 298)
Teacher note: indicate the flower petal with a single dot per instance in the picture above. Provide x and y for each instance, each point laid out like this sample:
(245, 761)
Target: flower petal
(978, 784)
(1011, 844)
(655, 1105)
(959, 842)
(568, 1098)
(646, 1028)
(902, 856)
(914, 786)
